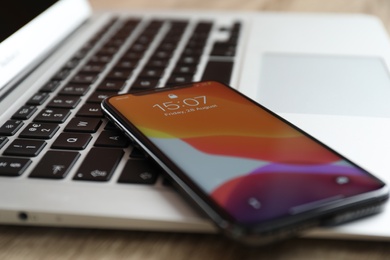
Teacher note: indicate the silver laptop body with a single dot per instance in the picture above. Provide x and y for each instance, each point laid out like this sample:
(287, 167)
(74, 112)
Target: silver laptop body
(64, 166)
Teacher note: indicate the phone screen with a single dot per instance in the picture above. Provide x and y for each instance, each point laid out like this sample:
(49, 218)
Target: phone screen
(251, 163)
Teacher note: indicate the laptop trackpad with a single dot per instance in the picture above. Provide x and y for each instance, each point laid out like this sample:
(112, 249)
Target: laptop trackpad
(331, 85)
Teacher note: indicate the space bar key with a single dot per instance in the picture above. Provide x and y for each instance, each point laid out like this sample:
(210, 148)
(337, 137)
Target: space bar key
(99, 164)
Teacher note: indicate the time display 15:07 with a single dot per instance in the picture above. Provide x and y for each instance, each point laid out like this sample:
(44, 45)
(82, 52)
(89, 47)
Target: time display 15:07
(175, 105)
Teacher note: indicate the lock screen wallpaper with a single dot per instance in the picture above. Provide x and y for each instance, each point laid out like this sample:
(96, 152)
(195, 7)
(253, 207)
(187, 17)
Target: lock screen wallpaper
(252, 164)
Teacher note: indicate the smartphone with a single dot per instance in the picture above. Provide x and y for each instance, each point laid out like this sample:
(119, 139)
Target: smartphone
(257, 176)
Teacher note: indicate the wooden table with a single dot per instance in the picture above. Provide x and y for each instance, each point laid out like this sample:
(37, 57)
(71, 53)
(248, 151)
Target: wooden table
(54, 243)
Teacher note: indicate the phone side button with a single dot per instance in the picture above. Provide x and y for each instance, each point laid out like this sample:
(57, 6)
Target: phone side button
(139, 171)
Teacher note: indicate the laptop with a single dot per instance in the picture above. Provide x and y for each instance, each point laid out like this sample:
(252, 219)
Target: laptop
(62, 164)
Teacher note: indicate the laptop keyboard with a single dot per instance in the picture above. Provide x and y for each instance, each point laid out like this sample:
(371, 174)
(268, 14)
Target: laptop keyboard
(62, 124)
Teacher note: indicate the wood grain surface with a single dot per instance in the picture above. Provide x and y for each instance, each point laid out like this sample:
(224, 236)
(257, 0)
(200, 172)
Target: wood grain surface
(63, 243)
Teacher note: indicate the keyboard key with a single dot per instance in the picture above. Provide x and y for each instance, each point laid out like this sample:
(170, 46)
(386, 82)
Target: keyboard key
(145, 39)
(144, 84)
(74, 90)
(192, 51)
(179, 79)
(93, 68)
(129, 55)
(117, 41)
(73, 141)
(111, 85)
(50, 86)
(103, 53)
(99, 164)
(13, 166)
(111, 126)
(235, 32)
(10, 127)
(80, 54)
(109, 49)
(99, 96)
(71, 64)
(119, 74)
(112, 139)
(39, 131)
(83, 79)
(139, 47)
(157, 63)
(223, 49)
(55, 165)
(153, 26)
(219, 71)
(151, 73)
(25, 112)
(189, 60)
(23, 147)
(64, 102)
(38, 99)
(52, 115)
(162, 54)
(83, 125)
(203, 28)
(137, 153)
(62, 74)
(139, 172)
(167, 45)
(184, 69)
(90, 110)
(100, 59)
(127, 64)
